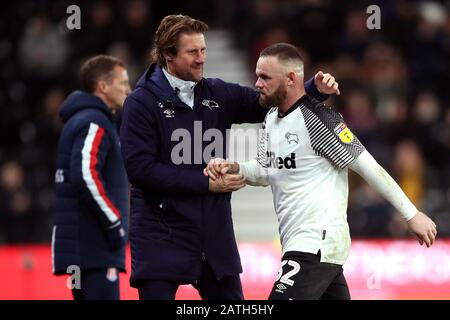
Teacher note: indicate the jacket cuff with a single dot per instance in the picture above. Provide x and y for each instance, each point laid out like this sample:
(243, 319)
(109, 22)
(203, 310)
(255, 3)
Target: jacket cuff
(311, 90)
(195, 181)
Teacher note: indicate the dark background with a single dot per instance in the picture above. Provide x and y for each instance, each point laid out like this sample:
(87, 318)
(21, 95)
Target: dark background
(395, 89)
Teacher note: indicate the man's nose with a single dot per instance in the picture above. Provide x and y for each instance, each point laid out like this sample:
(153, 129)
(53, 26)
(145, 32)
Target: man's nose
(258, 84)
(201, 57)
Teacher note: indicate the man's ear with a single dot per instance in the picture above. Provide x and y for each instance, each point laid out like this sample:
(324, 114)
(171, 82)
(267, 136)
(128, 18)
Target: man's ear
(168, 57)
(292, 76)
(101, 86)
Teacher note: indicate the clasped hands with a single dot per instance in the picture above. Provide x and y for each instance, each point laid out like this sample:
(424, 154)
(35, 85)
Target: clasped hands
(223, 176)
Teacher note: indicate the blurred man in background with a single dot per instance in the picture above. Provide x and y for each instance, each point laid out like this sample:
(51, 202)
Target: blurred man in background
(181, 229)
(91, 185)
(304, 155)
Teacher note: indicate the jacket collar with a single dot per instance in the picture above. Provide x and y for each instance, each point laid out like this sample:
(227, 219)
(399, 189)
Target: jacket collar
(156, 82)
(79, 100)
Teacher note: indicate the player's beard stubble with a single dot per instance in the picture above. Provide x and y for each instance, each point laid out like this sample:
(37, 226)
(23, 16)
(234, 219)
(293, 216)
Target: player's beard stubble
(275, 99)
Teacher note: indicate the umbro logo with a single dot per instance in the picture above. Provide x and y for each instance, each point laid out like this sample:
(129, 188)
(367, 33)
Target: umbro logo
(167, 109)
(169, 113)
(281, 286)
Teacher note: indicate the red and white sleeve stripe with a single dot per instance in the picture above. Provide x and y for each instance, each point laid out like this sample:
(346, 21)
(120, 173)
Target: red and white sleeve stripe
(90, 174)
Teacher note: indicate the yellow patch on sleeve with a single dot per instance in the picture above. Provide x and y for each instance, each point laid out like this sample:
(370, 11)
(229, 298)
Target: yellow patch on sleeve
(344, 133)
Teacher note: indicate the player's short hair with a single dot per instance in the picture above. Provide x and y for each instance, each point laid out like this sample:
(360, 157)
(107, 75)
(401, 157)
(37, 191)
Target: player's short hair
(168, 32)
(286, 54)
(100, 67)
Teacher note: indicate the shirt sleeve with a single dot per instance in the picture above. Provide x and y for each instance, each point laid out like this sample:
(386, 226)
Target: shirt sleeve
(375, 175)
(330, 136)
(255, 171)
(89, 153)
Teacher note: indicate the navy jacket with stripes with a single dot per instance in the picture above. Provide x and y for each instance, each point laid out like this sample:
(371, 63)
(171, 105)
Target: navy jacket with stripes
(175, 222)
(91, 186)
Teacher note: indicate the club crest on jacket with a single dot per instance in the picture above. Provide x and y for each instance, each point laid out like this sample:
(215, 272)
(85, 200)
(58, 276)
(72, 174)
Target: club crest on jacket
(210, 104)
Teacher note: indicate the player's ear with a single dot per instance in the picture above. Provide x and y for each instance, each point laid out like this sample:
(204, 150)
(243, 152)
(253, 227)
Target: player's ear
(291, 78)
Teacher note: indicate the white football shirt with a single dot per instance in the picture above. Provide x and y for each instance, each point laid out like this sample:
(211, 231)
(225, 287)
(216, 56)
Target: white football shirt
(304, 155)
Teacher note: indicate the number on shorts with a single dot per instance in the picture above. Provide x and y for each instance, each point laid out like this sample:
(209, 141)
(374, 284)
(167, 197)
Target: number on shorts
(286, 278)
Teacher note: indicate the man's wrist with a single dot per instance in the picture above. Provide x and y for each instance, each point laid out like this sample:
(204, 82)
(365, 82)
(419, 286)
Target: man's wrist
(235, 167)
(211, 185)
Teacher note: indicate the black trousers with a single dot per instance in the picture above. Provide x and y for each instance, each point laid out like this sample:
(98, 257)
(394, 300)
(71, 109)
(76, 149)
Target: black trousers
(303, 277)
(208, 286)
(98, 284)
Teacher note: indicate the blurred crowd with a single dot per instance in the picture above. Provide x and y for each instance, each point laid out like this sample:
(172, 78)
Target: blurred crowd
(393, 81)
